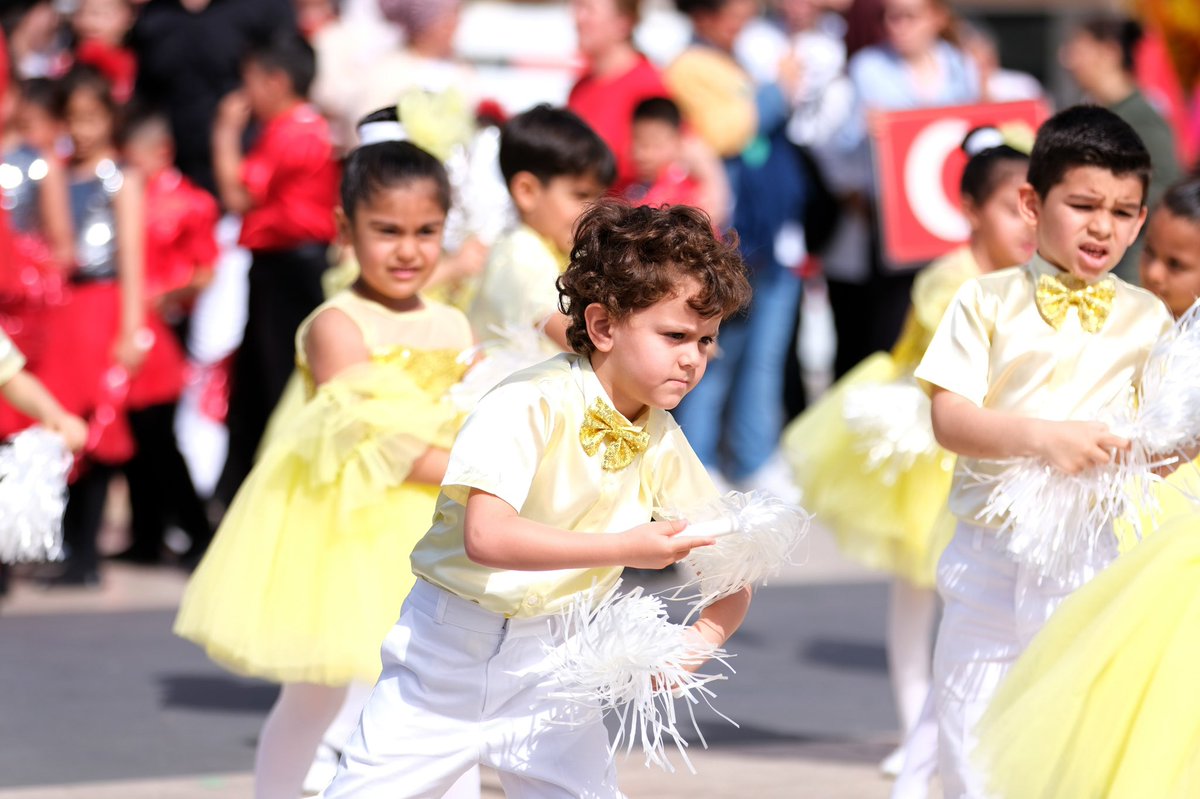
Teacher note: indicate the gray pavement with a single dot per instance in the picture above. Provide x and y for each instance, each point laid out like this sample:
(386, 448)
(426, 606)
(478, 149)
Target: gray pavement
(101, 700)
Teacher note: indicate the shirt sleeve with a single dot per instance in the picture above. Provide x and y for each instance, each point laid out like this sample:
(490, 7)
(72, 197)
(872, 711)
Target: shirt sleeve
(957, 358)
(202, 229)
(500, 446)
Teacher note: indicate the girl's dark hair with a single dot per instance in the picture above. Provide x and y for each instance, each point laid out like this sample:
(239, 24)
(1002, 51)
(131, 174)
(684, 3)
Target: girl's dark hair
(388, 164)
(84, 78)
(1183, 199)
(989, 164)
(40, 92)
(628, 258)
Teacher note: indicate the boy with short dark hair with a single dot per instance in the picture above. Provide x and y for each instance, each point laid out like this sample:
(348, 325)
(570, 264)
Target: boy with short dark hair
(285, 188)
(554, 165)
(1022, 365)
(535, 511)
(657, 150)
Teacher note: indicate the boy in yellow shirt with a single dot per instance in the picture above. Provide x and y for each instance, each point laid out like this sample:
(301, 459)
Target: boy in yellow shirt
(550, 491)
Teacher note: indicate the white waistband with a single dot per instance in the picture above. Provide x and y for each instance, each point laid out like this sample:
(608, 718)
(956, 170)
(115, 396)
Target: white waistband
(447, 608)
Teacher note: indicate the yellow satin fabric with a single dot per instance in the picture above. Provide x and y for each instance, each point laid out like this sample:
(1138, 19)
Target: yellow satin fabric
(521, 444)
(995, 349)
(11, 359)
(1092, 303)
(517, 288)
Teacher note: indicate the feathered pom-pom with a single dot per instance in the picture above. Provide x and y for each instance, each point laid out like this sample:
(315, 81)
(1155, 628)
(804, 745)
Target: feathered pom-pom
(624, 655)
(497, 359)
(891, 425)
(34, 466)
(1058, 522)
(756, 534)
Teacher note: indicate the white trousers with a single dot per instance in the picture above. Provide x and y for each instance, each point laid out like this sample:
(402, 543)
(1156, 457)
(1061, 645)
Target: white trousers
(460, 686)
(993, 608)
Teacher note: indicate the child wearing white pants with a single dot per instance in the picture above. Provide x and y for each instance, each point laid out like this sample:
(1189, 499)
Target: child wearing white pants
(545, 471)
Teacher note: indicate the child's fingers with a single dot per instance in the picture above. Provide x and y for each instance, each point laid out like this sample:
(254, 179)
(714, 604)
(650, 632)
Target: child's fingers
(674, 526)
(1111, 442)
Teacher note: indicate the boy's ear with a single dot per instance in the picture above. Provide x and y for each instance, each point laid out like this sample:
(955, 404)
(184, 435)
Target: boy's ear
(525, 189)
(599, 326)
(1145, 212)
(344, 227)
(1029, 204)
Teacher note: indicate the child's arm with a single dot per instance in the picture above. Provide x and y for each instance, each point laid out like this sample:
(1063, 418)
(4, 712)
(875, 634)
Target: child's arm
(55, 206)
(27, 394)
(963, 427)
(233, 114)
(720, 620)
(129, 211)
(496, 536)
(333, 344)
(555, 328)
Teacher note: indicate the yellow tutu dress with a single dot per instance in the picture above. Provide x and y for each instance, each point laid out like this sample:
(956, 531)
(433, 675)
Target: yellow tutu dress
(864, 455)
(1105, 703)
(310, 566)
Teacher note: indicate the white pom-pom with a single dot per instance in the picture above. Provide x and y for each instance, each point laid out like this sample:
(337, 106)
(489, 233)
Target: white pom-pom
(890, 424)
(1059, 522)
(513, 349)
(34, 466)
(624, 655)
(756, 534)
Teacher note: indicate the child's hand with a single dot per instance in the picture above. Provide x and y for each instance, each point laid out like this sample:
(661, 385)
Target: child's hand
(1072, 447)
(656, 545)
(73, 430)
(131, 348)
(233, 112)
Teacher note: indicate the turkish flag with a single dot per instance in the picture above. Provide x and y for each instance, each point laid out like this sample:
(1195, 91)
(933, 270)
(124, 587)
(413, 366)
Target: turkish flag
(919, 163)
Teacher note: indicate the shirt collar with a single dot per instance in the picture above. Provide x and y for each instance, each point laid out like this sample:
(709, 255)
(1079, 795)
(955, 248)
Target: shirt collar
(592, 388)
(1039, 266)
(560, 258)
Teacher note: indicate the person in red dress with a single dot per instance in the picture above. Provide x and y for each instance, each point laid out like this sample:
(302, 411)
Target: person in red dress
(106, 350)
(285, 187)
(181, 248)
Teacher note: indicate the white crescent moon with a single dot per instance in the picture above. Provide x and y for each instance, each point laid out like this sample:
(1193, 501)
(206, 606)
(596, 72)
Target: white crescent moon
(923, 180)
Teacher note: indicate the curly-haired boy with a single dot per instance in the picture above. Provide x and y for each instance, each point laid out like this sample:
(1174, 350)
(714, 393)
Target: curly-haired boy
(534, 510)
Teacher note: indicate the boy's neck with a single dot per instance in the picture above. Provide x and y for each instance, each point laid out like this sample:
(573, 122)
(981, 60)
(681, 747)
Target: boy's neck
(617, 61)
(631, 410)
(1060, 268)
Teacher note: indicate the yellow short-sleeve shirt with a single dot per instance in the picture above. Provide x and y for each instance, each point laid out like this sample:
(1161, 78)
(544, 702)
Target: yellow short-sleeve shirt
(994, 348)
(518, 287)
(11, 359)
(521, 443)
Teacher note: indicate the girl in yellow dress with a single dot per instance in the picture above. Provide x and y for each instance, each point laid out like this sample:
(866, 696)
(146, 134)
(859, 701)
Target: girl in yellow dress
(311, 564)
(1106, 700)
(865, 456)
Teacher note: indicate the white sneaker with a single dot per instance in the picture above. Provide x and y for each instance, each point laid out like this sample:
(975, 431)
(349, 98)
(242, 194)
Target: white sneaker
(775, 477)
(893, 764)
(322, 771)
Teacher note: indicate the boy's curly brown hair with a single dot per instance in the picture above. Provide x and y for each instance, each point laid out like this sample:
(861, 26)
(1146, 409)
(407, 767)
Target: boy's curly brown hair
(628, 258)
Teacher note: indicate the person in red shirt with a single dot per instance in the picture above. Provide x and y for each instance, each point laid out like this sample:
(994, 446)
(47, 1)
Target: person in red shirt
(618, 77)
(285, 188)
(663, 177)
(102, 26)
(180, 221)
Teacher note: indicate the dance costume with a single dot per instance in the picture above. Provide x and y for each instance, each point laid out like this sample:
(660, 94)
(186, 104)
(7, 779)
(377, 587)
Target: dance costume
(518, 287)
(1001, 347)
(307, 571)
(466, 677)
(1104, 703)
(884, 507)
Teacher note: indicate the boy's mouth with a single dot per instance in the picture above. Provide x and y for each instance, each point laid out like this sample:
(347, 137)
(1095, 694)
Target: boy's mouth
(1094, 253)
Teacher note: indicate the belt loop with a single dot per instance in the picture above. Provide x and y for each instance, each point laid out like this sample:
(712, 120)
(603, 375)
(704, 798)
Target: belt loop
(443, 599)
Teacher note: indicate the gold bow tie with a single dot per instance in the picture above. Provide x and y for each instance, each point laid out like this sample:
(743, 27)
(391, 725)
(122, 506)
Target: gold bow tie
(623, 442)
(1055, 294)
